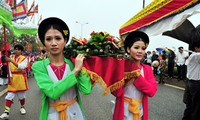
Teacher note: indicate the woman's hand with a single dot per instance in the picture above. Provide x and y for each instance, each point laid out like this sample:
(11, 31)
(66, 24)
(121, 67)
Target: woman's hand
(78, 63)
(128, 82)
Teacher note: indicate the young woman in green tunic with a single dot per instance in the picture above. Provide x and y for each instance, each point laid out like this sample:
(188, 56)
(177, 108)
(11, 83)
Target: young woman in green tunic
(58, 79)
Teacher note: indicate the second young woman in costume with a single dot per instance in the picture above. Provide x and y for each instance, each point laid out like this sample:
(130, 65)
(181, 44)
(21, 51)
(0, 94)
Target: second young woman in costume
(132, 98)
(58, 79)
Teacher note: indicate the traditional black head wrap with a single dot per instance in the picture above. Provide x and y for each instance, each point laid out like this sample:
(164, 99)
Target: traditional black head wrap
(56, 23)
(135, 36)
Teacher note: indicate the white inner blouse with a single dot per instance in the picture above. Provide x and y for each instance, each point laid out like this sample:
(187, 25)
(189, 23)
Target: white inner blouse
(73, 111)
(131, 91)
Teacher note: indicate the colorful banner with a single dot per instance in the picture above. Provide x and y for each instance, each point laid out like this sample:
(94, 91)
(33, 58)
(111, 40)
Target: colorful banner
(110, 72)
(157, 11)
(20, 11)
(32, 11)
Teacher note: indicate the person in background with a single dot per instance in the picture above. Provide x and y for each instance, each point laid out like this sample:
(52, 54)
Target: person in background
(42, 55)
(144, 59)
(161, 68)
(148, 57)
(18, 83)
(1, 65)
(164, 56)
(57, 78)
(160, 56)
(192, 94)
(154, 58)
(28, 69)
(4, 68)
(180, 64)
(171, 61)
(132, 98)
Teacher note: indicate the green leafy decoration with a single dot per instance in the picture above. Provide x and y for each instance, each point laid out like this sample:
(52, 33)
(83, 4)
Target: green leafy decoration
(99, 44)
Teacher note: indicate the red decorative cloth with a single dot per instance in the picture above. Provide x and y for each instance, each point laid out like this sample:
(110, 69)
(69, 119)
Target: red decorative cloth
(109, 72)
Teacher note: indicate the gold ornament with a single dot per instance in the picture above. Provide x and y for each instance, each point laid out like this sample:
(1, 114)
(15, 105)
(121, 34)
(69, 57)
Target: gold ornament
(65, 32)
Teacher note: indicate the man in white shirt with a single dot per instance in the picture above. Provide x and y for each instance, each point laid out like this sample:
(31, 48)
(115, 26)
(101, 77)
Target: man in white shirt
(192, 100)
(180, 64)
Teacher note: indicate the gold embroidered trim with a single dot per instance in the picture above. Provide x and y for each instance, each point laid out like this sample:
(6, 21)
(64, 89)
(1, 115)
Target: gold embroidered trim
(97, 79)
(152, 7)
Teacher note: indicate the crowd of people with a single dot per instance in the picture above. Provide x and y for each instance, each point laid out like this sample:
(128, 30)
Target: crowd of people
(168, 63)
(186, 63)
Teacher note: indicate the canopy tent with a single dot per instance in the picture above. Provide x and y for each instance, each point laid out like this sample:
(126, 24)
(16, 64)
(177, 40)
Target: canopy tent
(186, 32)
(16, 29)
(160, 16)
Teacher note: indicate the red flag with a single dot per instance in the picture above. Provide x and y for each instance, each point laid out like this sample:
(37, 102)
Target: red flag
(12, 3)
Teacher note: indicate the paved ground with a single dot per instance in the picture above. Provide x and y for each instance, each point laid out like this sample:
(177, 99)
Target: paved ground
(168, 81)
(174, 82)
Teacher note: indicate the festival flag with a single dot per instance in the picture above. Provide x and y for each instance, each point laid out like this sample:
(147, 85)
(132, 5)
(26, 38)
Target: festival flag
(32, 5)
(20, 11)
(36, 9)
(12, 3)
(32, 10)
(40, 20)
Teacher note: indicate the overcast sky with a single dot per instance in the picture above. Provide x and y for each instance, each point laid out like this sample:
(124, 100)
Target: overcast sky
(101, 15)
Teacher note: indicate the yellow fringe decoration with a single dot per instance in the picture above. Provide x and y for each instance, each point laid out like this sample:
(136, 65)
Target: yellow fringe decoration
(133, 74)
(98, 79)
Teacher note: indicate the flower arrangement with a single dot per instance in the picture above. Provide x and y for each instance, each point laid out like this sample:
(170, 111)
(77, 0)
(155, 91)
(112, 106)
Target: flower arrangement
(99, 44)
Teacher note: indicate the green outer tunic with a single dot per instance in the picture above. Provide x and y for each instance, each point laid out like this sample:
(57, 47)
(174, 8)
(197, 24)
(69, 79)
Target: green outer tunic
(54, 90)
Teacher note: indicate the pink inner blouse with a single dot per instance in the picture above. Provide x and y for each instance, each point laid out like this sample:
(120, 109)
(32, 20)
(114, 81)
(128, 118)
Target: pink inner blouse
(58, 70)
